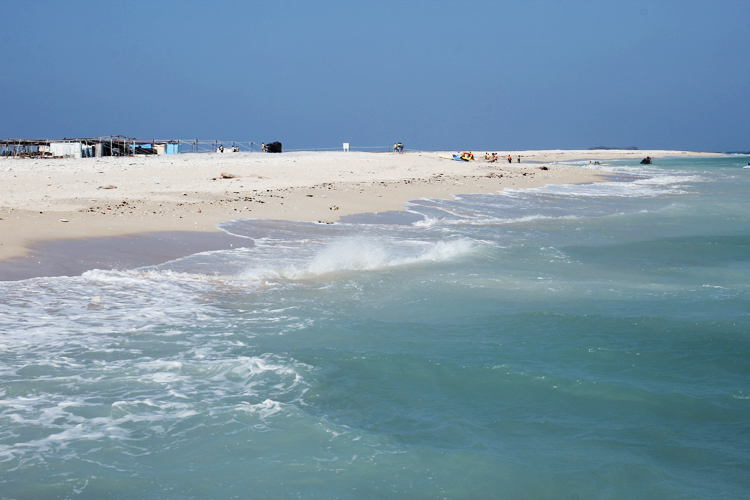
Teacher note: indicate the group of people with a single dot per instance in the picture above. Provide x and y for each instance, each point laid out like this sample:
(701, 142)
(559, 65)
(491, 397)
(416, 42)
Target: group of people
(494, 158)
(235, 149)
(398, 148)
(490, 157)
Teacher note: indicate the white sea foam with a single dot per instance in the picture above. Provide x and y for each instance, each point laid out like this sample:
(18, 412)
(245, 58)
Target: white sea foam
(360, 254)
(97, 303)
(263, 410)
(490, 221)
(643, 188)
(64, 419)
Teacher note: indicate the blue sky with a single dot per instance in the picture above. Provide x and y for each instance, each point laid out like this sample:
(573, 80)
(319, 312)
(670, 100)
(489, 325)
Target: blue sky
(434, 75)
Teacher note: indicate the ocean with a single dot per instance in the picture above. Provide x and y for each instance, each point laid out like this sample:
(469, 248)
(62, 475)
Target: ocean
(565, 342)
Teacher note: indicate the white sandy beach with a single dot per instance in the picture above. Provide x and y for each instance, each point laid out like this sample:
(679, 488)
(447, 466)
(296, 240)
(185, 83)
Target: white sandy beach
(113, 196)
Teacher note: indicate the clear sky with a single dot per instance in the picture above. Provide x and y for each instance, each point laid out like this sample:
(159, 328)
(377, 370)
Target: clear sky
(434, 75)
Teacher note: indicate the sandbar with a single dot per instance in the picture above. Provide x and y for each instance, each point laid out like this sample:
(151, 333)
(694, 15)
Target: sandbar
(96, 199)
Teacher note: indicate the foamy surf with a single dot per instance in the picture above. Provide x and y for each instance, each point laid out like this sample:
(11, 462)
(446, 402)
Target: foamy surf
(361, 254)
(490, 221)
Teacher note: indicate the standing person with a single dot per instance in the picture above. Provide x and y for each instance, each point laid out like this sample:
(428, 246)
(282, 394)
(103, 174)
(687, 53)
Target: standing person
(263, 147)
(519, 158)
(400, 148)
(510, 160)
(395, 147)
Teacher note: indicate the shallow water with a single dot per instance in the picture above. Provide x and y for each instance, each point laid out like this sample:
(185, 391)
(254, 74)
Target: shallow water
(576, 342)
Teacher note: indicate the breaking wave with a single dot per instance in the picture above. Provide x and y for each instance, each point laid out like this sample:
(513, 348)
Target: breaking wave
(361, 254)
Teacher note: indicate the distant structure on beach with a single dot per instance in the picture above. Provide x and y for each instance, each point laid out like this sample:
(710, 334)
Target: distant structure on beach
(118, 145)
(113, 145)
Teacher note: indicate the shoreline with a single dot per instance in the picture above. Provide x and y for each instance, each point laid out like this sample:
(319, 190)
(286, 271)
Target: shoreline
(90, 203)
(73, 257)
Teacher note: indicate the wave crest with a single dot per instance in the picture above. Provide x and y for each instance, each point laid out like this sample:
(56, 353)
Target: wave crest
(363, 254)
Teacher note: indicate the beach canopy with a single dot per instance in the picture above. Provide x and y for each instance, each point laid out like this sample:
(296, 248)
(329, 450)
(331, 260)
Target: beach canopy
(274, 147)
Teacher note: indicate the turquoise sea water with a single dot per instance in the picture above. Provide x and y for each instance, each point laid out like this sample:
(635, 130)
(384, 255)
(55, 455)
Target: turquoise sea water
(567, 342)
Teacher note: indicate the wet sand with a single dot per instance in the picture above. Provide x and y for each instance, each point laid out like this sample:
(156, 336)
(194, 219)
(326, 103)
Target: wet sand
(73, 257)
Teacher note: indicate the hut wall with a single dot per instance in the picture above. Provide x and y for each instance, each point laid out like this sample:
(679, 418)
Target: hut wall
(65, 149)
